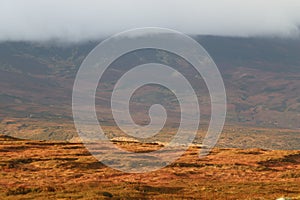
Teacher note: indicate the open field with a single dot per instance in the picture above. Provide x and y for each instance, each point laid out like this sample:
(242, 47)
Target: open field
(233, 136)
(62, 170)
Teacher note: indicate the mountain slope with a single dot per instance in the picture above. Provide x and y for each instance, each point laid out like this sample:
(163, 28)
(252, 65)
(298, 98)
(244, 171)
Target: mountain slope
(262, 78)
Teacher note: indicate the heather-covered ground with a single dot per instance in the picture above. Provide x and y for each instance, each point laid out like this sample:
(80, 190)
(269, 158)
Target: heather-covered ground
(61, 170)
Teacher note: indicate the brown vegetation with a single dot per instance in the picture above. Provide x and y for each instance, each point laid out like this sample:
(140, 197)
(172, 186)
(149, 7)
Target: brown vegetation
(61, 170)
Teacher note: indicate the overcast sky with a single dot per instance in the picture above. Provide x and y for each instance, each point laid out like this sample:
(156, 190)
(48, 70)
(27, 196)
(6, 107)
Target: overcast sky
(76, 20)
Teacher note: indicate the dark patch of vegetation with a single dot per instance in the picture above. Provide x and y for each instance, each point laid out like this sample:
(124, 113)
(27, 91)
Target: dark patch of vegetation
(290, 159)
(21, 191)
(81, 165)
(160, 190)
(16, 163)
(291, 175)
(250, 152)
(82, 154)
(107, 194)
(188, 165)
(43, 143)
(74, 147)
(14, 148)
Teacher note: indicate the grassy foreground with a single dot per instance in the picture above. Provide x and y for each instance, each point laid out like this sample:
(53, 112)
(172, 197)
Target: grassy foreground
(61, 170)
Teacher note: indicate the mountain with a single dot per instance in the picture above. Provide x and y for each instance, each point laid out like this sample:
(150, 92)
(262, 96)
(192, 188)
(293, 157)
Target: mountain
(261, 75)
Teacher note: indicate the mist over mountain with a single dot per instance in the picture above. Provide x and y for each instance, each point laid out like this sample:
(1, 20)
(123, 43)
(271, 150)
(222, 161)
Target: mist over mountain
(34, 20)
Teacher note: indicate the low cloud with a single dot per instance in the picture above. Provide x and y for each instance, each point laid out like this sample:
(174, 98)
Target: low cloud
(78, 20)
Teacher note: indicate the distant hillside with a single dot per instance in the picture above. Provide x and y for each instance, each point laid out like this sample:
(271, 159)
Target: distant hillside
(268, 54)
(262, 78)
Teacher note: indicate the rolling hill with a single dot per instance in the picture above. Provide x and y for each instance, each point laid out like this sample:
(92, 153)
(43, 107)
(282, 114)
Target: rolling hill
(261, 75)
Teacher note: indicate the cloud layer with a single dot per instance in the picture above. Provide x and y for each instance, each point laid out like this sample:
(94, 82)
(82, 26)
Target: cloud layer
(77, 20)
